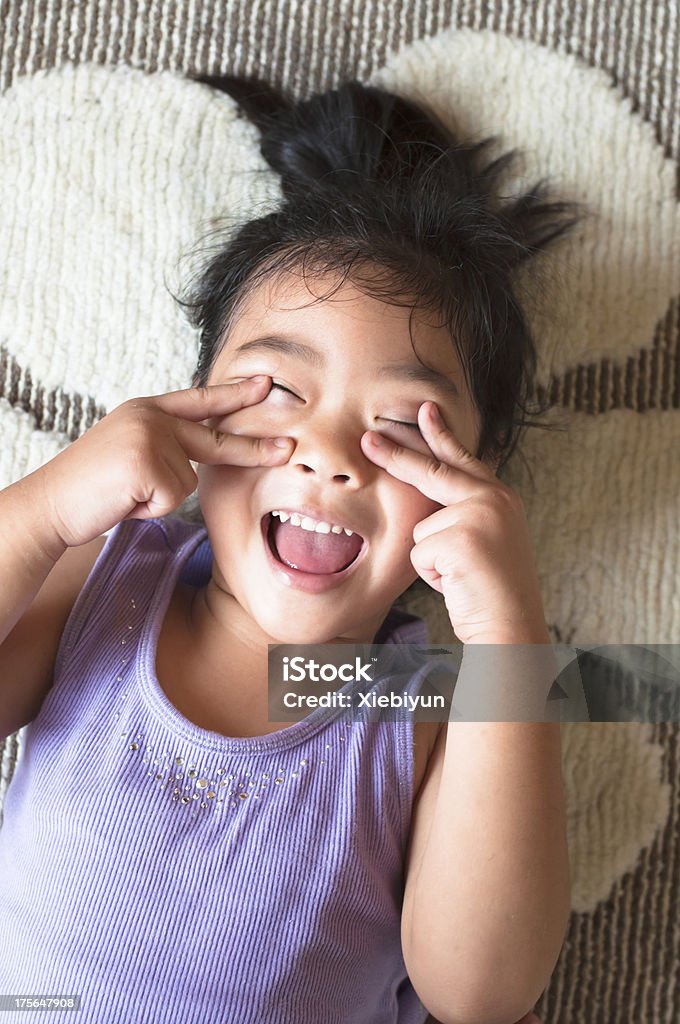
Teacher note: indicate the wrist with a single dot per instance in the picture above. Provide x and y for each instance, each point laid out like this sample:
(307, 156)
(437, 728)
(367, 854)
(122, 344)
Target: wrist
(32, 496)
(523, 633)
(506, 680)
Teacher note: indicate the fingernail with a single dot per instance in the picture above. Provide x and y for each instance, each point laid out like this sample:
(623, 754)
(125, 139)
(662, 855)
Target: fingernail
(256, 380)
(376, 439)
(435, 413)
(280, 442)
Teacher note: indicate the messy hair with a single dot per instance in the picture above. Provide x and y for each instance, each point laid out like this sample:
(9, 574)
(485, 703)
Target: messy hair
(376, 189)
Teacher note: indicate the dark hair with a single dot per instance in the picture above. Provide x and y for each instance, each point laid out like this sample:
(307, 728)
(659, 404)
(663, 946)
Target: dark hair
(377, 189)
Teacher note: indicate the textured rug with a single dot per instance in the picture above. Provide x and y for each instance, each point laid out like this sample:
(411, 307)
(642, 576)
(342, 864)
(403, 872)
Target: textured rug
(112, 166)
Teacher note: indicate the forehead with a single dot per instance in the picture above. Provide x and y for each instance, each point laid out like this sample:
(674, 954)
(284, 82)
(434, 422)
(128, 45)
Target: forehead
(335, 315)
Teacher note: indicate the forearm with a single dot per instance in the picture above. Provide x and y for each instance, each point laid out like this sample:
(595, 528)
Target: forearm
(491, 899)
(29, 549)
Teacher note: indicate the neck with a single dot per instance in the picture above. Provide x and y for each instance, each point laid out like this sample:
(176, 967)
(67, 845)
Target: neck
(220, 626)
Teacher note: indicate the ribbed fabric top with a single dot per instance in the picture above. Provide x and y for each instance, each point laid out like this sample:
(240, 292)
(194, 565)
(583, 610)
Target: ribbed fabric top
(166, 873)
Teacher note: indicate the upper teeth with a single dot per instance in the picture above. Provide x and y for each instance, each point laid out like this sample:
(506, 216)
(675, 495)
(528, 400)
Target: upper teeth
(307, 523)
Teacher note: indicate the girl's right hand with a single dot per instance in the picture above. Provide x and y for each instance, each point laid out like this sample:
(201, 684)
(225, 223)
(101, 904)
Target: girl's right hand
(135, 462)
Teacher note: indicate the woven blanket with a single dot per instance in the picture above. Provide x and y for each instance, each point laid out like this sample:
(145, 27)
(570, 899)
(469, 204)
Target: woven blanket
(113, 165)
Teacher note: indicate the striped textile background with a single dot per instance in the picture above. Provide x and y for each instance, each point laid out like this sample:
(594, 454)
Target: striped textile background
(619, 964)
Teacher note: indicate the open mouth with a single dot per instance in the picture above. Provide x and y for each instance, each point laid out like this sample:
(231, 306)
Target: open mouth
(308, 552)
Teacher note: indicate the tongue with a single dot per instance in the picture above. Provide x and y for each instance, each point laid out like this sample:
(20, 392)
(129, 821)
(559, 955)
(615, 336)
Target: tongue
(313, 552)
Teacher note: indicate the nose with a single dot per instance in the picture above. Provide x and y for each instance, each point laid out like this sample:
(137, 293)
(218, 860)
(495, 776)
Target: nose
(332, 451)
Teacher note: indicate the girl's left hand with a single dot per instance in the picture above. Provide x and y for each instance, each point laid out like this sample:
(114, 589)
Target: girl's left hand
(476, 550)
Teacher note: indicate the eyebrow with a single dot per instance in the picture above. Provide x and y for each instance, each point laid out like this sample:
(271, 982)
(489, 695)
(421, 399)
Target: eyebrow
(407, 372)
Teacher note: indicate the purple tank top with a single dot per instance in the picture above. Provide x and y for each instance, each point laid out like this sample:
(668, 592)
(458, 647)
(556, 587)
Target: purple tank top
(167, 873)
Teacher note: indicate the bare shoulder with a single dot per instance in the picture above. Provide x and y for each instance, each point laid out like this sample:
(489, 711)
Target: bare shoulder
(421, 818)
(28, 653)
(434, 745)
(429, 738)
(424, 738)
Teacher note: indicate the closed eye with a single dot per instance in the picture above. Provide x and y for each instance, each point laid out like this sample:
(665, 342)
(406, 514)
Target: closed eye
(409, 426)
(397, 423)
(282, 388)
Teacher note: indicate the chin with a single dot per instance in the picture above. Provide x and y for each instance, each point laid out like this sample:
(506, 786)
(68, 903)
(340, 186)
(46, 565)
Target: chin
(281, 634)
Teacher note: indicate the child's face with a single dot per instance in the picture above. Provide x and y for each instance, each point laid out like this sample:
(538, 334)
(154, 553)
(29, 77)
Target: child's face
(334, 396)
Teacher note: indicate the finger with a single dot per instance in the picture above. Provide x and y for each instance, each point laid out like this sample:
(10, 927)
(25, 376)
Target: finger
(428, 573)
(444, 480)
(215, 448)
(435, 523)
(445, 445)
(431, 477)
(198, 404)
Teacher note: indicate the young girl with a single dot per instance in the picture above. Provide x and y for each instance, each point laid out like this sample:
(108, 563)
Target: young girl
(167, 852)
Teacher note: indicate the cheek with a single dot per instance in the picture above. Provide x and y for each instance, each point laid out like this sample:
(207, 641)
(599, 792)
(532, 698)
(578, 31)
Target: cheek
(406, 507)
(221, 487)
